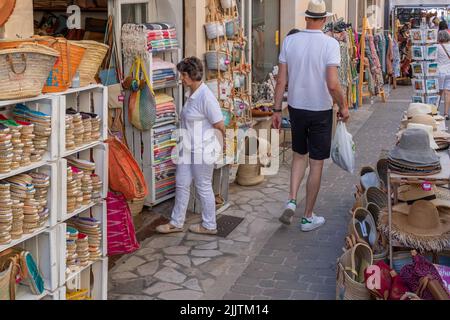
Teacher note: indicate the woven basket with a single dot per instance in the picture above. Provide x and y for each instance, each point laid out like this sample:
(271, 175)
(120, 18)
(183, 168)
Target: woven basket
(60, 78)
(220, 88)
(249, 174)
(23, 71)
(227, 4)
(136, 206)
(217, 60)
(232, 27)
(347, 287)
(214, 30)
(92, 61)
(7, 283)
(376, 196)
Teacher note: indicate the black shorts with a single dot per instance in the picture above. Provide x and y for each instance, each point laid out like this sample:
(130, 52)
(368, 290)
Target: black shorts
(311, 132)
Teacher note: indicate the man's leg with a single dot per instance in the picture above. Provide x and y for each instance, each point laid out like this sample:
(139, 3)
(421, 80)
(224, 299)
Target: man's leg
(319, 150)
(299, 165)
(313, 185)
(299, 132)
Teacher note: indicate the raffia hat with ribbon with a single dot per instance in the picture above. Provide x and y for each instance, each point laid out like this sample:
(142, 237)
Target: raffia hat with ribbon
(426, 226)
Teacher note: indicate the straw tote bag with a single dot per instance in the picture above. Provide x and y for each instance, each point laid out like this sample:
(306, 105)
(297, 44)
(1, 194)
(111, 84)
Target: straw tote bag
(349, 268)
(141, 99)
(124, 175)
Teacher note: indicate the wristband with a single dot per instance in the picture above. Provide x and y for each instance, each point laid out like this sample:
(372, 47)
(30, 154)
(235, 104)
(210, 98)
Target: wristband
(277, 110)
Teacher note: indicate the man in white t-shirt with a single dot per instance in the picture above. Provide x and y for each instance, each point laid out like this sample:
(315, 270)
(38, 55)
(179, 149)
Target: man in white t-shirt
(309, 62)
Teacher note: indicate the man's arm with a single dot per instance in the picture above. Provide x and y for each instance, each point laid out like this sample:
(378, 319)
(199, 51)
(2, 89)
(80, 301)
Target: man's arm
(335, 89)
(280, 88)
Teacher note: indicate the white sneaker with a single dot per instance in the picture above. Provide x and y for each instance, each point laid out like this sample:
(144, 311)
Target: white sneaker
(309, 224)
(288, 213)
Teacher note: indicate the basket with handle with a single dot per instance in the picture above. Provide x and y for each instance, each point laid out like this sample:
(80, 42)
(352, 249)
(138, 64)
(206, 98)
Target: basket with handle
(214, 29)
(136, 206)
(92, 60)
(348, 268)
(60, 78)
(24, 70)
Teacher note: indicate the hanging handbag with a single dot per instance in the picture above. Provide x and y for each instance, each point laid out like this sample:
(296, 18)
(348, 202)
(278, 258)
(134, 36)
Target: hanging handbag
(141, 99)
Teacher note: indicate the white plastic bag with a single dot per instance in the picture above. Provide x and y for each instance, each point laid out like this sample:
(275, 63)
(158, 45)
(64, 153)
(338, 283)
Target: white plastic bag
(343, 148)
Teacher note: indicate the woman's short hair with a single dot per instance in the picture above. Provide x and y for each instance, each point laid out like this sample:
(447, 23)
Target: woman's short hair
(443, 25)
(193, 67)
(443, 36)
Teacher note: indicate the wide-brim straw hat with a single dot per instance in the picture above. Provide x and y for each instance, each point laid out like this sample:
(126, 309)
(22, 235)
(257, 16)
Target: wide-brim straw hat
(419, 109)
(425, 225)
(316, 9)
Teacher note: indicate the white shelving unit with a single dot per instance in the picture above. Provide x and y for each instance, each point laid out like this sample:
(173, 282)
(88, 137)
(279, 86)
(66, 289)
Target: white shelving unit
(141, 143)
(48, 244)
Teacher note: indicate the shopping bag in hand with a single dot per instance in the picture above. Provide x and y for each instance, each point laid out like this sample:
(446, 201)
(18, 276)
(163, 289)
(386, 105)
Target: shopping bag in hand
(343, 148)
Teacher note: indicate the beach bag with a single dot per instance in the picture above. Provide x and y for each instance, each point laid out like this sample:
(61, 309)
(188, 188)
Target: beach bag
(120, 227)
(343, 148)
(125, 176)
(141, 99)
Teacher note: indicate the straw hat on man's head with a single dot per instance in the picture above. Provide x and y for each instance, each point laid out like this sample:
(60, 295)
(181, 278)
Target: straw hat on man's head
(317, 9)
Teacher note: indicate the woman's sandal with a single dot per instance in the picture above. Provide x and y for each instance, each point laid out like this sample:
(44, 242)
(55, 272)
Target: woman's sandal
(168, 228)
(198, 228)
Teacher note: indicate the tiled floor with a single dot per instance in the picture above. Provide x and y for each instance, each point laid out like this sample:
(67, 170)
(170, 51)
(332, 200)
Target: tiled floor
(260, 259)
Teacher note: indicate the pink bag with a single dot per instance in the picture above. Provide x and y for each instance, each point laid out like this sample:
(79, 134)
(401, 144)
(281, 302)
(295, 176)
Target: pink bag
(121, 233)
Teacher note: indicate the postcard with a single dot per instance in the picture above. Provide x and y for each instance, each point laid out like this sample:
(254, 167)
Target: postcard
(432, 85)
(417, 53)
(431, 52)
(419, 86)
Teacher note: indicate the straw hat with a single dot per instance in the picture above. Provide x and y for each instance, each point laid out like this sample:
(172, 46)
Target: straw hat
(413, 192)
(424, 119)
(6, 10)
(316, 9)
(419, 109)
(375, 195)
(426, 226)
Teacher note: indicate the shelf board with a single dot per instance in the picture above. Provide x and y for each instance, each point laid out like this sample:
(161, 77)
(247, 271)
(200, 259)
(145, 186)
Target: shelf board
(25, 237)
(23, 169)
(24, 293)
(78, 211)
(169, 85)
(84, 147)
(4, 103)
(81, 269)
(64, 9)
(164, 50)
(80, 89)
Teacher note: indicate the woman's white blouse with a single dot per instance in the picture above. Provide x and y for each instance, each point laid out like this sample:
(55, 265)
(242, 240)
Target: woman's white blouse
(200, 112)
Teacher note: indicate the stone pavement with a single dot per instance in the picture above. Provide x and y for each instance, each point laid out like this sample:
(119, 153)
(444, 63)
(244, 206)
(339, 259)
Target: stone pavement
(261, 259)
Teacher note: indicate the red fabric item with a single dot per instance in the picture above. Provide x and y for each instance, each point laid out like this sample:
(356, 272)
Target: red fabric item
(398, 288)
(120, 228)
(385, 281)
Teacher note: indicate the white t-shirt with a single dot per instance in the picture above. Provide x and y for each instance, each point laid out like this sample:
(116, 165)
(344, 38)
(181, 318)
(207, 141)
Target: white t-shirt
(307, 54)
(200, 112)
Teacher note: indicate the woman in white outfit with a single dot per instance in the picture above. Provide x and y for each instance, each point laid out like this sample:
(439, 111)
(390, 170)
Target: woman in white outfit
(443, 61)
(202, 132)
